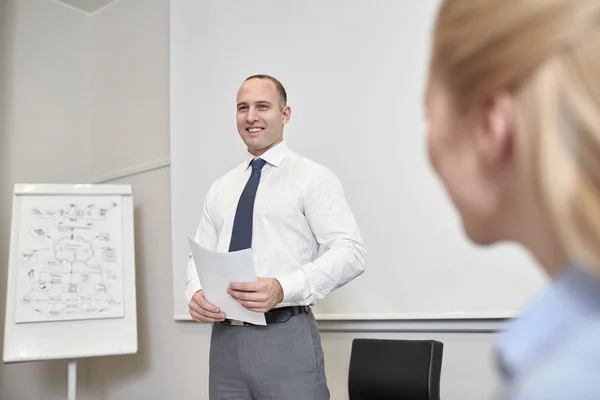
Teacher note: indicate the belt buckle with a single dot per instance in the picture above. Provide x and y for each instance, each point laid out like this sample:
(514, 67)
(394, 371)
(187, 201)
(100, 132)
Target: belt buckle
(235, 322)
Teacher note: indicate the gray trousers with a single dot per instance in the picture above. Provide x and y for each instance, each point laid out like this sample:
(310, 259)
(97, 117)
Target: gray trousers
(281, 361)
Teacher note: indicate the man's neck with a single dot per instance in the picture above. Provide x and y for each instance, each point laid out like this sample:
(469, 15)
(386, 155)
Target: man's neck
(260, 152)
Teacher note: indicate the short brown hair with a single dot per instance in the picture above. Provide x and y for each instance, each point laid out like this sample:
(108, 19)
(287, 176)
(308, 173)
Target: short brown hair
(278, 85)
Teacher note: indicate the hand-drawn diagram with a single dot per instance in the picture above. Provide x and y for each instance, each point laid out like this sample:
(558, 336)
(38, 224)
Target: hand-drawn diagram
(70, 258)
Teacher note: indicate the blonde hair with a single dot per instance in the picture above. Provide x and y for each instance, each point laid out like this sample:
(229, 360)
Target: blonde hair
(546, 53)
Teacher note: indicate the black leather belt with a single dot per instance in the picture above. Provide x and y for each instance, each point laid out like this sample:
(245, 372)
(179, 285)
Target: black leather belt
(274, 316)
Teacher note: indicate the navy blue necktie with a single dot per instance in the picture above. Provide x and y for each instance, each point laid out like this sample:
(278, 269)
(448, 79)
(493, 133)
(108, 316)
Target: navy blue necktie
(241, 235)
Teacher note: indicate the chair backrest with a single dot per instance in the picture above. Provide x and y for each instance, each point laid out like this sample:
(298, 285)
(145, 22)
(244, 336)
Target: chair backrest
(384, 369)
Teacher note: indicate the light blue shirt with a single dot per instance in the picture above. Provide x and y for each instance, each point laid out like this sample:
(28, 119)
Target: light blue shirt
(552, 351)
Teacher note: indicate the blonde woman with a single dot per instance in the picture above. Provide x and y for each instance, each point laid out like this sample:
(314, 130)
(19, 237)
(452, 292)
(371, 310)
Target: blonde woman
(513, 104)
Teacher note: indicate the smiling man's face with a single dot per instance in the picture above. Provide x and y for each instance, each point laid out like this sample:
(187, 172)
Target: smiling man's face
(261, 115)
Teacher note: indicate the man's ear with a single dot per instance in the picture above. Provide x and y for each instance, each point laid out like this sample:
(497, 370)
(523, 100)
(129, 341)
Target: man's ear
(287, 113)
(495, 129)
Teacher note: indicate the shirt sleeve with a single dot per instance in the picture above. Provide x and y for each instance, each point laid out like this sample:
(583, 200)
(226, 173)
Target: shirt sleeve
(206, 236)
(336, 230)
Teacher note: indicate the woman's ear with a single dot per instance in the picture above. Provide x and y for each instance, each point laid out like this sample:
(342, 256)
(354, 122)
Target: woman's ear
(495, 130)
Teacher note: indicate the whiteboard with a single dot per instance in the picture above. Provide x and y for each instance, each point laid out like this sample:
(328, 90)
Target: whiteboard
(355, 75)
(71, 273)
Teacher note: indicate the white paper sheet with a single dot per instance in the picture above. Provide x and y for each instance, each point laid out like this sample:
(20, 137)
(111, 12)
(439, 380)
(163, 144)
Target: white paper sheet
(70, 264)
(216, 271)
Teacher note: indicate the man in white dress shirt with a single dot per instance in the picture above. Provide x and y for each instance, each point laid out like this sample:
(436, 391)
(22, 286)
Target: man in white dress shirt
(283, 206)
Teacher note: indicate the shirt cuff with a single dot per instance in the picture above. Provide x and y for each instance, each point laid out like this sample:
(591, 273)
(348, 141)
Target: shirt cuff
(192, 288)
(293, 287)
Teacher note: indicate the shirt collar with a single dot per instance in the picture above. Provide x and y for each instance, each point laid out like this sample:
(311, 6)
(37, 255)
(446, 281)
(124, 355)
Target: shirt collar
(274, 156)
(571, 299)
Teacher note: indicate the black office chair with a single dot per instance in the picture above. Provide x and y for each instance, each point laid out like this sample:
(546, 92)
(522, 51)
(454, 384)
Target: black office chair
(382, 369)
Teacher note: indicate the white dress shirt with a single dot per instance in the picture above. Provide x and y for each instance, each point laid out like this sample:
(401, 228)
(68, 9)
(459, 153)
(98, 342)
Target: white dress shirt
(299, 205)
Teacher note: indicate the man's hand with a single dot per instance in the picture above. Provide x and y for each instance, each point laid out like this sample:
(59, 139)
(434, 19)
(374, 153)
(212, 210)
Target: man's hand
(202, 311)
(258, 296)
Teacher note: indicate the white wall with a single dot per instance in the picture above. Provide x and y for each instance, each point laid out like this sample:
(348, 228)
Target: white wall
(44, 139)
(129, 85)
(120, 59)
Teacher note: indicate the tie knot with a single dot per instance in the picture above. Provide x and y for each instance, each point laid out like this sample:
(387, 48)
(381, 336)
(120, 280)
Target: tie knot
(257, 164)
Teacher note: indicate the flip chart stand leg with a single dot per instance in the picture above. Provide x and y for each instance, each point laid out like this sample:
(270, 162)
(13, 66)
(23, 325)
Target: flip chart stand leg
(72, 379)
